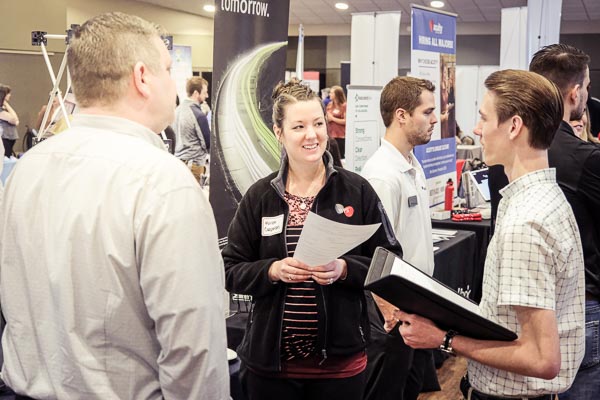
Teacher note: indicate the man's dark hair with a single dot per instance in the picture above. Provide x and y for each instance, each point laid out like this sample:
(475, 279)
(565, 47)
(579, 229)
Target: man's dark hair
(562, 64)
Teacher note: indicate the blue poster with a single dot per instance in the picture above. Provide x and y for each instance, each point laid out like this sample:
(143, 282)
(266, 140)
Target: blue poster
(433, 57)
(437, 157)
(433, 31)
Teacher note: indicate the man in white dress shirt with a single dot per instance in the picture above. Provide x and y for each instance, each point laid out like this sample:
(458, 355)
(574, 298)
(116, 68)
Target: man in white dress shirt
(111, 280)
(407, 107)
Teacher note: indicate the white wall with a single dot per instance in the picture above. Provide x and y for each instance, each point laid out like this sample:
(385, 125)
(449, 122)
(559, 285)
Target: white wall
(469, 94)
(187, 29)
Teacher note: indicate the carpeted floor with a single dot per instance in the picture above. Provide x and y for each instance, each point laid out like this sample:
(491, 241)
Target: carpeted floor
(449, 377)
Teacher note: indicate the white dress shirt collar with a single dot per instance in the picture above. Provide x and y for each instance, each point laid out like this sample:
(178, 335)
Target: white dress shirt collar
(118, 125)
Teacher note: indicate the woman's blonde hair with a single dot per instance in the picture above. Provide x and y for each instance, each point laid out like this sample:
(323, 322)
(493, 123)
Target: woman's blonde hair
(291, 92)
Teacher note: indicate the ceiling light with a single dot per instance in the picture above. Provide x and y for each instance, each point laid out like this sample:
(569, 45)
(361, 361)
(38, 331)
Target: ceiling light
(437, 4)
(341, 6)
(209, 8)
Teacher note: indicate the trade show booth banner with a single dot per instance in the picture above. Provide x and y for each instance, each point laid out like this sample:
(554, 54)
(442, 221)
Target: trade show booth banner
(433, 57)
(249, 59)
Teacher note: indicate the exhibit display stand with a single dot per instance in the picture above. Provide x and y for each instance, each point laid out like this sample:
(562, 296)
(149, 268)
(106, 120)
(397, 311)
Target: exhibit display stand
(40, 38)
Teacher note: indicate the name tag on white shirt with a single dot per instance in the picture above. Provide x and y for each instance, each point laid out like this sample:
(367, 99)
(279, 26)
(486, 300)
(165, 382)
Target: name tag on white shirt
(413, 201)
(272, 225)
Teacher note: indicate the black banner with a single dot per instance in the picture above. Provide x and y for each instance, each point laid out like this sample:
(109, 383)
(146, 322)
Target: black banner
(250, 39)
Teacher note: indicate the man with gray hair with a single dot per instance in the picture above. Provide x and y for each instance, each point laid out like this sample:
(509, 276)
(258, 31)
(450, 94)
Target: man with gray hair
(111, 280)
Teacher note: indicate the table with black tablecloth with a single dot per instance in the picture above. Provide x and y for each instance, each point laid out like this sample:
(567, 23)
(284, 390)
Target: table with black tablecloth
(482, 231)
(456, 263)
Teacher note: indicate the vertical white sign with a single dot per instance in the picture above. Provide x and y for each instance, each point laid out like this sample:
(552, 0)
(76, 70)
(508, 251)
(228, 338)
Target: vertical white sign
(364, 126)
(513, 34)
(374, 47)
(543, 24)
(362, 57)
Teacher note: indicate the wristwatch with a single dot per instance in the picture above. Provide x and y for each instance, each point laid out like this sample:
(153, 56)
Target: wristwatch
(446, 345)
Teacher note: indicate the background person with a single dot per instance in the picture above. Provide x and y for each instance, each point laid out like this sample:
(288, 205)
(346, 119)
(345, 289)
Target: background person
(8, 121)
(192, 128)
(308, 329)
(533, 282)
(336, 117)
(111, 280)
(581, 128)
(407, 108)
(577, 166)
(593, 107)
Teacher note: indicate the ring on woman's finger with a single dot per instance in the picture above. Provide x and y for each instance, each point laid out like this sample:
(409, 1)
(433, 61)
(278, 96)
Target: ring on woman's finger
(290, 277)
(330, 281)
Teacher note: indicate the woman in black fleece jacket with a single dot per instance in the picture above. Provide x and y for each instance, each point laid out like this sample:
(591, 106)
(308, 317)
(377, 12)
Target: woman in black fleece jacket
(308, 328)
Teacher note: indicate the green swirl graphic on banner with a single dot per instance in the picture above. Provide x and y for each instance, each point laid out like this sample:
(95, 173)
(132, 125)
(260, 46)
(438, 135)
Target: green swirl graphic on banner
(249, 148)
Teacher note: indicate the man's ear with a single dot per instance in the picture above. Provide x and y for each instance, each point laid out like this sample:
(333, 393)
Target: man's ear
(140, 79)
(516, 127)
(574, 93)
(401, 115)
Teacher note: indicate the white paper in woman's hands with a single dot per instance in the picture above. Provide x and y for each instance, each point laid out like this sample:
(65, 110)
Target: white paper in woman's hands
(323, 240)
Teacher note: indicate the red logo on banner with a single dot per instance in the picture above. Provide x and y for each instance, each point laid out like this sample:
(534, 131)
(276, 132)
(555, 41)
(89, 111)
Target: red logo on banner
(431, 25)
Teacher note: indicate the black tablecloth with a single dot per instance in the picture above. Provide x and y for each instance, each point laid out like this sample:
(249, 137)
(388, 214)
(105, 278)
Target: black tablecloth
(456, 263)
(456, 266)
(482, 231)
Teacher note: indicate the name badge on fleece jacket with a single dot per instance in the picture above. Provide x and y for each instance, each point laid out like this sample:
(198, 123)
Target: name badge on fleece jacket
(272, 225)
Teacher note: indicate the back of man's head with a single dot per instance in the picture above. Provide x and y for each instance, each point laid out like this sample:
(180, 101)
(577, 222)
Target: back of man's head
(530, 96)
(563, 64)
(103, 52)
(402, 92)
(195, 84)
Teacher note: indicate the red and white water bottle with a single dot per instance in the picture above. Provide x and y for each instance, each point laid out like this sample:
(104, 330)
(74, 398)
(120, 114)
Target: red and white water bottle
(449, 195)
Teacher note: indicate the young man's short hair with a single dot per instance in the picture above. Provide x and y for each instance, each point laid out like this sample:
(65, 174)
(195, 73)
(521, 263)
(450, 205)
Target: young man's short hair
(195, 84)
(402, 92)
(532, 97)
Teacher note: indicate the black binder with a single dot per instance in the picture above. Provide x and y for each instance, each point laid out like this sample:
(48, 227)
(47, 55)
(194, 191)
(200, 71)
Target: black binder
(415, 292)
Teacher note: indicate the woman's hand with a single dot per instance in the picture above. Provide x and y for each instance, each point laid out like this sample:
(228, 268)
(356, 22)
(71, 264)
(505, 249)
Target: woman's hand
(289, 270)
(9, 114)
(330, 272)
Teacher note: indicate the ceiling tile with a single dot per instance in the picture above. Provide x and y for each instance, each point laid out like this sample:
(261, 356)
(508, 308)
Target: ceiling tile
(313, 12)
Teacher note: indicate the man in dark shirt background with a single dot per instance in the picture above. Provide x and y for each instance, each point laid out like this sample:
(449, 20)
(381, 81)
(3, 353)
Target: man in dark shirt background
(577, 166)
